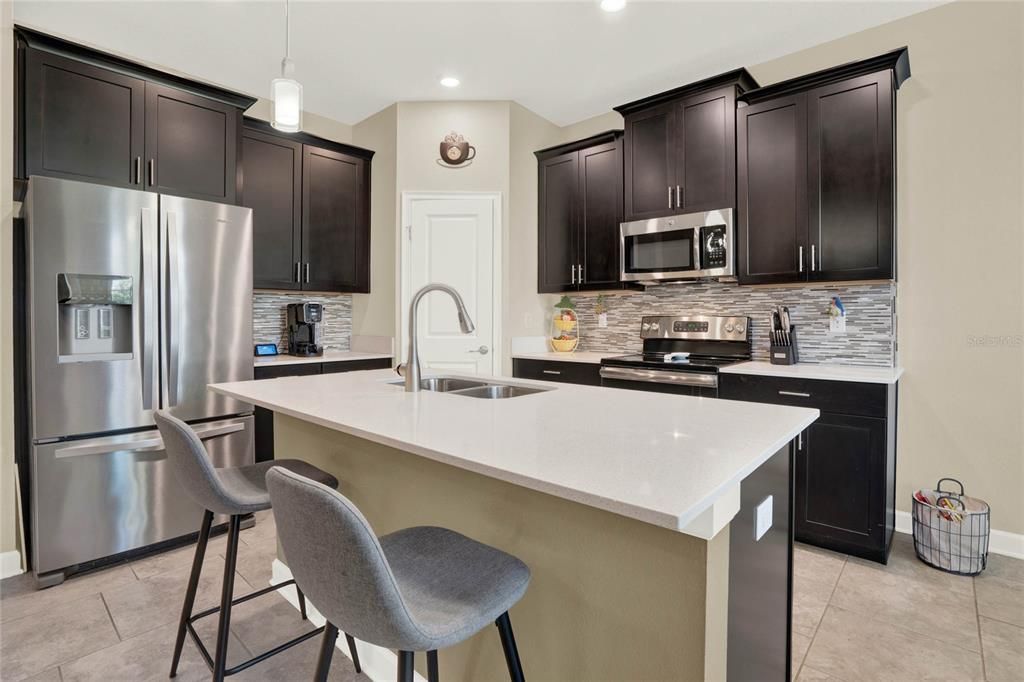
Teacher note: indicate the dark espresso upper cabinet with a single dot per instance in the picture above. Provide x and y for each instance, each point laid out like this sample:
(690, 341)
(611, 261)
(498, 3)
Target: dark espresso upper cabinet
(650, 154)
(772, 181)
(191, 145)
(89, 116)
(310, 201)
(579, 200)
(680, 148)
(335, 244)
(272, 188)
(850, 165)
(816, 176)
(82, 122)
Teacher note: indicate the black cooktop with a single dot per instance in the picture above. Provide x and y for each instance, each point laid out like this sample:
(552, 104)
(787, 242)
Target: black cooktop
(695, 363)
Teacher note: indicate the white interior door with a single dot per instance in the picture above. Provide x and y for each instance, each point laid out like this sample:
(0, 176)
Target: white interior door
(451, 239)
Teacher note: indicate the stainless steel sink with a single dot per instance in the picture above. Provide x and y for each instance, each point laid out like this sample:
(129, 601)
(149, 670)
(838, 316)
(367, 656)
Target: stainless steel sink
(498, 391)
(475, 389)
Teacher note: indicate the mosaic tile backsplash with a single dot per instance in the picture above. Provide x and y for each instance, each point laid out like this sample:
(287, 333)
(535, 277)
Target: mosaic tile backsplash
(870, 308)
(269, 319)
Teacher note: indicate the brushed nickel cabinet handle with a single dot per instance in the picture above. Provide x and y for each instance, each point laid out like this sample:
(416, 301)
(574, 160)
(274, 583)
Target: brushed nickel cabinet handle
(679, 196)
(670, 196)
(551, 371)
(298, 272)
(151, 169)
(797, 394)
(307, 274)
(573, 281)
(801, 259)
(812, 257)
(138, 171)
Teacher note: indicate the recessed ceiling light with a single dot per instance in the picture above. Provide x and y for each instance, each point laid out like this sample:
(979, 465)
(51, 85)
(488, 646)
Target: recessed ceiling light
(613, 5)
(450, 82)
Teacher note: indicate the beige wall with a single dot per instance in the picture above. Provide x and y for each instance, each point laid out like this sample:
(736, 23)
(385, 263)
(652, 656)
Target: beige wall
(374, 313)
(524, 310)
(8, 508)
(591, 126)
(960, 149)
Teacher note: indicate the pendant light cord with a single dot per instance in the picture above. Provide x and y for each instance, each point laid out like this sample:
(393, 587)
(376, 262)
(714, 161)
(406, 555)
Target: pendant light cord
(287, 30)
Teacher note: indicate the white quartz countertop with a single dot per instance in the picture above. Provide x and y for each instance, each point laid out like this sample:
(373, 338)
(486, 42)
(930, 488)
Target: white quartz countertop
(663, 459)
(328, 356)
(591, 357)
(868, 375)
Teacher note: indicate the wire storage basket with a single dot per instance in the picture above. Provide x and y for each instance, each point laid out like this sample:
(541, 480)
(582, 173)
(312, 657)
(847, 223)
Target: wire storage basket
(951, 529)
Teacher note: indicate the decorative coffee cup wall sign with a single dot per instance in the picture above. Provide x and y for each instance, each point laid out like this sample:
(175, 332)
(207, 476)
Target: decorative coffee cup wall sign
(455, 151)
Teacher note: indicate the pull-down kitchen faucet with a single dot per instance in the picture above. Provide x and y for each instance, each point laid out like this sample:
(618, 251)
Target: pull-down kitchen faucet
(410, 369)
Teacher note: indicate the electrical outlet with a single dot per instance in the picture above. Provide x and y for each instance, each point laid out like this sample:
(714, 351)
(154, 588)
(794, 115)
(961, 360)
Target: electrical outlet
(763, 518)
(837, 324)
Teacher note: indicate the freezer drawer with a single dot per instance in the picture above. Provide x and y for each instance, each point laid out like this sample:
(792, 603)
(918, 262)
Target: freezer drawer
(98, 497)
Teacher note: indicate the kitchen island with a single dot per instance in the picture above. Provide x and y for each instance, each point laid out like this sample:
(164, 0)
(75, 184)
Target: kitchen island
(635, 512)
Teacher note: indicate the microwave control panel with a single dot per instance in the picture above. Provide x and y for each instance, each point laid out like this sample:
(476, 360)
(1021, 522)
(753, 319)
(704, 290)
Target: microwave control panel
(715, 252)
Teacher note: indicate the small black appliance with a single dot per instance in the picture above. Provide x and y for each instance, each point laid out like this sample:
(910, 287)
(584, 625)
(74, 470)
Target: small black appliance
(304, 320)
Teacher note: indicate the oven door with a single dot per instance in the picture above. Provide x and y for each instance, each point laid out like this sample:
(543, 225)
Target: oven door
(661, 381)
(651, 250)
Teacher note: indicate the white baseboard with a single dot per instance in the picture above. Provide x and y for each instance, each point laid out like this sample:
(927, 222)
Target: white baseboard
(10, 564)
(377, 662)
(999, 542)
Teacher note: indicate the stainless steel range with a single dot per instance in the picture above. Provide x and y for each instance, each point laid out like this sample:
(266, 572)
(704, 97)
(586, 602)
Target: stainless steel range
(681, 355)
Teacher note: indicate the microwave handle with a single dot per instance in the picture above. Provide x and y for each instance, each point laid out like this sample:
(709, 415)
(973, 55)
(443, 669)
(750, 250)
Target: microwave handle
(698, 247)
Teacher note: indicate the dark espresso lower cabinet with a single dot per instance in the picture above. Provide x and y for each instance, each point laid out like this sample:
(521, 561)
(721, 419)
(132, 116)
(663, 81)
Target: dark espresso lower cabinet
(845, 492)
(552, 370)
(264, 418)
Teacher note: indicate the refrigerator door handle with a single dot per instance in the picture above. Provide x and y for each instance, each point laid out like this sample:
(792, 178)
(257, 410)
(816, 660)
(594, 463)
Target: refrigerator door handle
(146, 445)
(172, 313)
(148, 278)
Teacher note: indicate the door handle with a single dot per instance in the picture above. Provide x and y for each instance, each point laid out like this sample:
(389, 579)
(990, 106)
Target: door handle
(679, 196)
(307, 274)
(173, 314)
(144, 445)
(147, 365)
(573, 275)
(151, 168)
(801, 258)
(482, 350)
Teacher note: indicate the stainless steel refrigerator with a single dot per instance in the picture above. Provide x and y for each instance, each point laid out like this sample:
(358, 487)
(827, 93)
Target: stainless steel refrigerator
(136, 301)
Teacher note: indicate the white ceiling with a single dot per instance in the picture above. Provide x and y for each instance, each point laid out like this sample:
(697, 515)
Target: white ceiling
(564, 60)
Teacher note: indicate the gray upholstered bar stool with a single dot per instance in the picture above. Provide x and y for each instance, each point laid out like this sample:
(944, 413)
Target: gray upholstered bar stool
(418, 589)
(236, 492)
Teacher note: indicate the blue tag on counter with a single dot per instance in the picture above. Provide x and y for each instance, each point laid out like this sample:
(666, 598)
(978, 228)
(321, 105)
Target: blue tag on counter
(263, 349)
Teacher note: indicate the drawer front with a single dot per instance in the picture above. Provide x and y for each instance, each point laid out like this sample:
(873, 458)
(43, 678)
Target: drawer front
(567, 372)
(286, 371)
(356, 365)
(840, 397)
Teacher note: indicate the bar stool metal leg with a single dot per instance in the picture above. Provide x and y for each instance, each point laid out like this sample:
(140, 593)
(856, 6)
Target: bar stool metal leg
(432, 671)
(406, 661)
(193, 584)
(323, 662)
(508, 644)
(302, 602)
(220, 660)
(353, 653)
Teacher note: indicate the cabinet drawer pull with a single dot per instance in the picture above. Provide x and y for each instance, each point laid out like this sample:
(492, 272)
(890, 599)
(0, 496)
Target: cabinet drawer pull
(550, 371)
(798, 394)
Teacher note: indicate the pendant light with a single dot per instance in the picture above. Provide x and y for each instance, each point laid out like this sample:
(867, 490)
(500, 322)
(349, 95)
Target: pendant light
(286, 92)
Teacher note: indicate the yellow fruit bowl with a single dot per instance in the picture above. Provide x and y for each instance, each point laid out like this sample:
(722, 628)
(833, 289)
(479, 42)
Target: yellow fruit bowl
(564, 345)
(564, 325)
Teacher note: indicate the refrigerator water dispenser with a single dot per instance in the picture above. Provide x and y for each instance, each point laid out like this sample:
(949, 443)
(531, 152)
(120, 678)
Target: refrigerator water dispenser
(94, 317)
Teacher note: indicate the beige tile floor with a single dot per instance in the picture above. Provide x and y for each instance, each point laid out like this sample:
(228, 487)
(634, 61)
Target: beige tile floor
(852, 620)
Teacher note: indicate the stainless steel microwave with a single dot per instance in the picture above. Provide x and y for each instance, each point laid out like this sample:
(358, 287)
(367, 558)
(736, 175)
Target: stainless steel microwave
(688, 246)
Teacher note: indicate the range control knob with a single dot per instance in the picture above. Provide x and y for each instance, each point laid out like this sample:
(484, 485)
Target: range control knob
(739, 328)
(728, 328)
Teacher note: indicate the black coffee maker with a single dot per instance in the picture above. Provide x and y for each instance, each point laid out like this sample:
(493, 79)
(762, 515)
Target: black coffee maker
(304, 328)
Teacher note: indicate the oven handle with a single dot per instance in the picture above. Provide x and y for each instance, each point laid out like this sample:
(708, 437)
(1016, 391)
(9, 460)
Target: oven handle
(660, 377)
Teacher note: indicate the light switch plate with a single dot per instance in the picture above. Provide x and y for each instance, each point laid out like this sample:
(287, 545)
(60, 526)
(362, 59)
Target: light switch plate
(763, 518)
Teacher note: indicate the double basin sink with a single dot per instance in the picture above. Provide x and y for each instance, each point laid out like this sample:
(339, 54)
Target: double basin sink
(487, 390)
